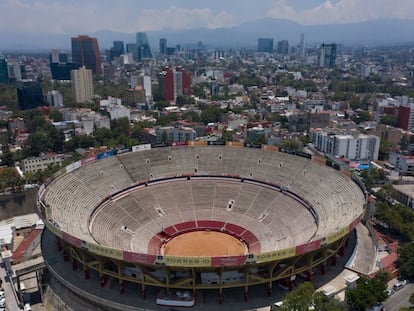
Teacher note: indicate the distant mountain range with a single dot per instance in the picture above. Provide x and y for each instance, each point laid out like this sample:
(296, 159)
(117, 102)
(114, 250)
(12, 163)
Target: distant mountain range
(371, 33)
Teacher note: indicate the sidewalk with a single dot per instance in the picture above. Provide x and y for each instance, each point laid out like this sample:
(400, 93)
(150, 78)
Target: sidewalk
(11, 297)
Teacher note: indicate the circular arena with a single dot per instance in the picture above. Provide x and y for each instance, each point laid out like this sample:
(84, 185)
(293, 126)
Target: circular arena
(197, 217)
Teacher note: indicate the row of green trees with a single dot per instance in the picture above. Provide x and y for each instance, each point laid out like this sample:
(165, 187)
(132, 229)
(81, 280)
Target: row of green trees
(367, 293)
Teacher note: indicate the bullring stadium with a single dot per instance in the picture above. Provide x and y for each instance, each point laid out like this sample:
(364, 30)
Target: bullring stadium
(200, 217)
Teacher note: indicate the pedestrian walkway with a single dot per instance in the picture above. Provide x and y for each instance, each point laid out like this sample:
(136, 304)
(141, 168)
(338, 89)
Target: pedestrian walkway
(11, 296)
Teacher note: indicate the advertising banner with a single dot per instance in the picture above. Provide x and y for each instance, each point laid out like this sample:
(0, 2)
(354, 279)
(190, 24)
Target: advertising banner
(71, 240)
(197, 143)
(337, 235)
(88, 160)
(141, 147)
(228, 261)
(103, 251)
(234, 144)
(183, 261)
(308, 247)
(73, 166)
(275, 255)
(137, 257)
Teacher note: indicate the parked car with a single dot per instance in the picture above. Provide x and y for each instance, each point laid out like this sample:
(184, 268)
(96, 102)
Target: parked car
(399, 285)
(390, 292)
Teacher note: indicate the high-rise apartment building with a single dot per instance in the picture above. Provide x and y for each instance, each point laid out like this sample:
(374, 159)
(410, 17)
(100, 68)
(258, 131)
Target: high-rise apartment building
(54, 98)
(29, 94)
(144, 50)
(15, 71)
(283, 47)
(82, 84)
(4, 73)
(265, 45)
(85, 52)
(327, 55)
(174, 82)
(163, 46)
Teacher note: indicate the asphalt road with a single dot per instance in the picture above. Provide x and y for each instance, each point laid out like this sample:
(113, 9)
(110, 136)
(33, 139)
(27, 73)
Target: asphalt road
(400, 298)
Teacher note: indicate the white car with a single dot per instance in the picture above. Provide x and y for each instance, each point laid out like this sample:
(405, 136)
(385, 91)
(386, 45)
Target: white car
(2, 304)
(27, 307)
(399, 285)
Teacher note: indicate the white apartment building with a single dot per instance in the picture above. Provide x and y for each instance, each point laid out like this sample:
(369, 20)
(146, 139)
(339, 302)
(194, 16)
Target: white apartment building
(356, 147)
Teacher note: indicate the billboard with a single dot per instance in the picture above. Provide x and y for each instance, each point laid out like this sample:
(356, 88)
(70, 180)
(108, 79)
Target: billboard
(73, 166)
(102, 250)
(234, 144)
(183, 261)
(275, 255)
(88, 160)
(308, 247)
(106, 154)
(197, 143)
(337, 235)
(141, 147)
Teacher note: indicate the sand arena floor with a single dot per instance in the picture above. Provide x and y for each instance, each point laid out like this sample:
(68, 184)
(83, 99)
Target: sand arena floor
(204, 243)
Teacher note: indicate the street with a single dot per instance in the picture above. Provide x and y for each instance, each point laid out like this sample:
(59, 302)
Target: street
(400, 298)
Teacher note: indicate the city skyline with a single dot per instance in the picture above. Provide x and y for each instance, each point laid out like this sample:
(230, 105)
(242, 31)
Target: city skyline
(130, 16)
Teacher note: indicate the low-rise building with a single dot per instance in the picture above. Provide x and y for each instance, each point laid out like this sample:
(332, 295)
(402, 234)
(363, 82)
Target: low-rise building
(169, 134)
(34, 164)
(405, 194)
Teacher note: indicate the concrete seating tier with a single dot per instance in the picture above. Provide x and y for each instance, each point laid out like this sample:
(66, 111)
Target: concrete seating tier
(135, 218)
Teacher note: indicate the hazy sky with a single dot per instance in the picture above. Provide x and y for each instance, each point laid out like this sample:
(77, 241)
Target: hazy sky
(84, 16)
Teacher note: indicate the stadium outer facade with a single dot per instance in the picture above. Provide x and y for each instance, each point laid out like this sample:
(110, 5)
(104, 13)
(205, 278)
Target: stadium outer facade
(155, 270)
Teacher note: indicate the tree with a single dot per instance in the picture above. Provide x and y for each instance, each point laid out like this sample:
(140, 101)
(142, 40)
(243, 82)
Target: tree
(299, 299)
(56, 115)
(411, 299)
(384, 150)
(290, 144)
(211, 114)
(9, 178)
(405, 260)
(367, 293)
(389, 120)
(305, 296)
(7, 158)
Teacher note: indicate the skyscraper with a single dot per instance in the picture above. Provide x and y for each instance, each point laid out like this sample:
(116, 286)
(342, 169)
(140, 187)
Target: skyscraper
(59, 66)
(117, 49)
(82, 84)
(85, 52)
(283, 47)
(301, 52)
(56, 56)
(163, 46)
(144, 50)
(4, 72)
(132, 48)
(327, 55)
(29, 94)
(265, 45)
